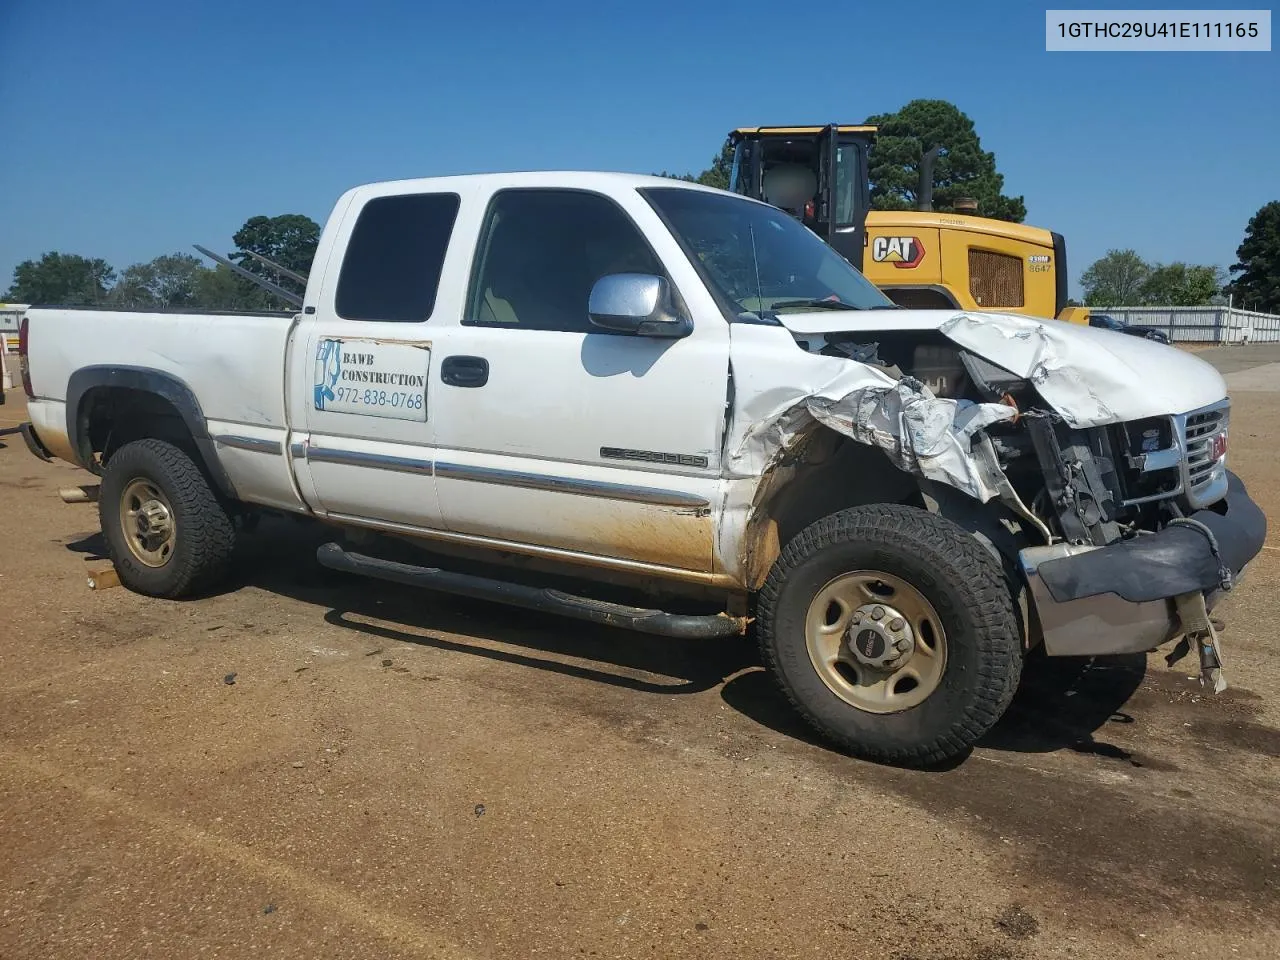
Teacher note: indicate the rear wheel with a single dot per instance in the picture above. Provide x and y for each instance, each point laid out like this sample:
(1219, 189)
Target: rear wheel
(893, 632)
(166, 531)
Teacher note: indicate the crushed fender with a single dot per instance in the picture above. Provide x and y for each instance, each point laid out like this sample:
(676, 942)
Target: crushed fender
(922, 434)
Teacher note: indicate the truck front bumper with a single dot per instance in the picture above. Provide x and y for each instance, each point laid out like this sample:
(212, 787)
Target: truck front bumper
(1091, 601)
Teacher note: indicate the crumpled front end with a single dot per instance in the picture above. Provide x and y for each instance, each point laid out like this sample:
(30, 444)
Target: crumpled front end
(1099, 445)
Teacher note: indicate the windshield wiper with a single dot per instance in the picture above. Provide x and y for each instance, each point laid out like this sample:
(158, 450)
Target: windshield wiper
(817, 304)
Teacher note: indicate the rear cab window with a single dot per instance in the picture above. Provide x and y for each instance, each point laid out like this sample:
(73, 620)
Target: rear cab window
(394, 258)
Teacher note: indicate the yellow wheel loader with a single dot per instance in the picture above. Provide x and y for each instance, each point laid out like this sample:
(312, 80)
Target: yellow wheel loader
(919, 258)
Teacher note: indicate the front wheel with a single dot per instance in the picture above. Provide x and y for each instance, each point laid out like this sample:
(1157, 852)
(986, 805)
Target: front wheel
(166, 531)
(893, 632)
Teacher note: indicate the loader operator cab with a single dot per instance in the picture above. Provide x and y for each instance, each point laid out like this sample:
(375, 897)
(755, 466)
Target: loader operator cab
(921, 259)
(818, 174)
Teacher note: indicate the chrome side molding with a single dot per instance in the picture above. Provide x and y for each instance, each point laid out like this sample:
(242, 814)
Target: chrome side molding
(377, 461)
(586, 488)
(252, 444)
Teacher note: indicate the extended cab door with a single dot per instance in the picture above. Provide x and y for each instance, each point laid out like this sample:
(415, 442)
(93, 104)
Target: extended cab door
(556, 433)
(363, 356)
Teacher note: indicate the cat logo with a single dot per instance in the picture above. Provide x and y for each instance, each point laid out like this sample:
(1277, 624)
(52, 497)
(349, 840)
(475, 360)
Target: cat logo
(903, 252)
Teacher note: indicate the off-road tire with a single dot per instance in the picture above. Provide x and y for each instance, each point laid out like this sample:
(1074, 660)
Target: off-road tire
(955, 573)
(204, 532)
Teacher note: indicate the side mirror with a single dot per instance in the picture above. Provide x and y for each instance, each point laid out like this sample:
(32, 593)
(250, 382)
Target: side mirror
(636, 303)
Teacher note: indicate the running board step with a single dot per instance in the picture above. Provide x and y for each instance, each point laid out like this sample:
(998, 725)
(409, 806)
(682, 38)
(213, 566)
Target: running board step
(658, 622)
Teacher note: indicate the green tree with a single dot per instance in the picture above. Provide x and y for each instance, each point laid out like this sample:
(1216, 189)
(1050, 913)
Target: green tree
(167, 281)
(133, 290)
(1258, 262)
(686, 177)
(716, 175)
(1181, 285)
(1116, 279)
(289, 240)
(61, 278)
(962, 167)
(221, 289)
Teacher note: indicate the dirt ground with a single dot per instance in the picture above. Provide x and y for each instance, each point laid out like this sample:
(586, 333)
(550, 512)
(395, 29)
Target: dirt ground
(310, 765)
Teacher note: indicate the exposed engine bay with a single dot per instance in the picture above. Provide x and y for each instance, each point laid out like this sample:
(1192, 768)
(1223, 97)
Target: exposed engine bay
(1091, 485)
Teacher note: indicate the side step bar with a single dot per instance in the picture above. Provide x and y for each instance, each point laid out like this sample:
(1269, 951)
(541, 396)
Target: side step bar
(663, 624)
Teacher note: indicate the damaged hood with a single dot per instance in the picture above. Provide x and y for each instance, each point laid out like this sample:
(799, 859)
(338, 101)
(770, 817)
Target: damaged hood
(1088, 375)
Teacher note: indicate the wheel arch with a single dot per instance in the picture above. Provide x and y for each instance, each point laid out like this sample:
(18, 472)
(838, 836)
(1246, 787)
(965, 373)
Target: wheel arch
(993, 525)
(813, 483)
(134, 403)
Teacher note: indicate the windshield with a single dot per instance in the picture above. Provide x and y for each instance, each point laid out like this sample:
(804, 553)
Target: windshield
(759, 260)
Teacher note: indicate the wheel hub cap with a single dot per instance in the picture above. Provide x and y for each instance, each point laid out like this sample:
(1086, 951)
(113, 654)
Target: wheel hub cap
(876, 641)
(879, 636)
(147, 523)
(153, 518)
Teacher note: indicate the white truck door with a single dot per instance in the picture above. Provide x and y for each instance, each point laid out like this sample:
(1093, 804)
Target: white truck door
(553, 432)
(363, 358)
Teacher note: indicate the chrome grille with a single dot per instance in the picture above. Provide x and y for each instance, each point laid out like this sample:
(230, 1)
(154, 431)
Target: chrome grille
(1202, 424)
(1187, 466)
(1201, 429)
(1205, 476)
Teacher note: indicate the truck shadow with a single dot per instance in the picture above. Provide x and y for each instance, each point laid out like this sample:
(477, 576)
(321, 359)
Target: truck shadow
(282, 562)
(1061, 703)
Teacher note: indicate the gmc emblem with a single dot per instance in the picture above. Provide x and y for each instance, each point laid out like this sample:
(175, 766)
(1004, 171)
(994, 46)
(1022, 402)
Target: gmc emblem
(1218, 446)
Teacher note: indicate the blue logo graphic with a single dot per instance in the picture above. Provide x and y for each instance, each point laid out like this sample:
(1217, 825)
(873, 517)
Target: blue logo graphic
(328, 369)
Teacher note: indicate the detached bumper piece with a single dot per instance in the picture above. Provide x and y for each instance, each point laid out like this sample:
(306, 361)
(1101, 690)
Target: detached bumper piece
(1126, 598)
(33, 442)
(657, 622)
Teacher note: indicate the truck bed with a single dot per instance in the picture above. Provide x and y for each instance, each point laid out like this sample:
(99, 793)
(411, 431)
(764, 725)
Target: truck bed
(233, 362)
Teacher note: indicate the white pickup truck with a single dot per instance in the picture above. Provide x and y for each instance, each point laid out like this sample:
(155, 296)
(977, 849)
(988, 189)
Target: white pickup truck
(680, 392)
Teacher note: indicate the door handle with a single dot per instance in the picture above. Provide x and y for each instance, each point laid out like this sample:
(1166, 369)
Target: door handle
(460, 371)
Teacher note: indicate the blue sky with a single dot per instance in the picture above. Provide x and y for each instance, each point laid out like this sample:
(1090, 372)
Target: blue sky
(136, 128)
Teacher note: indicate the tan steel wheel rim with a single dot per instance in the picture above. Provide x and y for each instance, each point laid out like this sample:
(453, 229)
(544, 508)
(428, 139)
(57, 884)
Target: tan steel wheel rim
(146, 520)
(875, 641)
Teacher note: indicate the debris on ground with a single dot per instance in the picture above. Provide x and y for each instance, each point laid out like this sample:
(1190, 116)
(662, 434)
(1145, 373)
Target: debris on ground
(1017, 923)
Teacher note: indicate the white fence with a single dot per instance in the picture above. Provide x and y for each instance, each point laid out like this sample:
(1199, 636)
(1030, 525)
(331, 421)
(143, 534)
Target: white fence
(1202, 324)
(10, 316)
